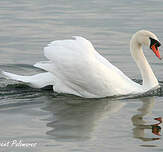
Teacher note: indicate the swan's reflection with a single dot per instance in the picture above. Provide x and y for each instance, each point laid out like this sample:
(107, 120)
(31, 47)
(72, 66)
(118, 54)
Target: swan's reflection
(77, 121)
(141, 125)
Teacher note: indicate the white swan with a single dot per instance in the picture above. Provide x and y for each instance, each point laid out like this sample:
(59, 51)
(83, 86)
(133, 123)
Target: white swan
(75, 67)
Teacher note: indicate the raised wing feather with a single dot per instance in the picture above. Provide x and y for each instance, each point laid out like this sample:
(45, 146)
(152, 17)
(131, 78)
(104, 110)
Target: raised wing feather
(75, 51)
(68, 49)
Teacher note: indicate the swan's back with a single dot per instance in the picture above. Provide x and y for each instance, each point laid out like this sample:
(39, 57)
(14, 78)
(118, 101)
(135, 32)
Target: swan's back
(79, 69)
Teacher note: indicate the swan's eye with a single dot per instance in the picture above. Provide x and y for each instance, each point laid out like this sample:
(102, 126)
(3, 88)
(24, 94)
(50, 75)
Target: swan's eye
(154, 42)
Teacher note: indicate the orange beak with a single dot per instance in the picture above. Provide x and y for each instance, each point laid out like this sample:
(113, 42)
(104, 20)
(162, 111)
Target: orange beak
(156, 50)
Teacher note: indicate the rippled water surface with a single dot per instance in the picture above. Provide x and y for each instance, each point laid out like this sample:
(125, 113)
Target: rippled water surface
(65, 123)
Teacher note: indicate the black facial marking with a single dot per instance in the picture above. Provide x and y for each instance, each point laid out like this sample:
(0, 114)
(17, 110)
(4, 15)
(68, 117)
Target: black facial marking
(153, 41)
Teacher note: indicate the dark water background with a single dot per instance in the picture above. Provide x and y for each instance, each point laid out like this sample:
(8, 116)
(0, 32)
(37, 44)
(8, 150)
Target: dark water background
(66, 123)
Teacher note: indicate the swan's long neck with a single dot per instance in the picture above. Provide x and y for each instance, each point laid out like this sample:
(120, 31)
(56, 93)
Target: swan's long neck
(149, 79)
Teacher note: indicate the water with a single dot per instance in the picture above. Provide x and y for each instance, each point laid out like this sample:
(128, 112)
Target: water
(64, 122)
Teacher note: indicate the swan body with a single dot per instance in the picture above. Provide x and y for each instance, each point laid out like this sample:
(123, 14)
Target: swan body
(75, 67)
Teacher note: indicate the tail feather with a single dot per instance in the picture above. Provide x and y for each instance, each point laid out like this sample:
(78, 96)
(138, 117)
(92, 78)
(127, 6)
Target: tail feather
(36, 81)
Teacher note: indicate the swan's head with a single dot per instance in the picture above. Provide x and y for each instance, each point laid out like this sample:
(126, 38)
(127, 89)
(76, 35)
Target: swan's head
(149, 39)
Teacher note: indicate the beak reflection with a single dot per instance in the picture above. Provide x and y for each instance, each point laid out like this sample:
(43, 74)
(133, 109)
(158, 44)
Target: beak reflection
(142, 125)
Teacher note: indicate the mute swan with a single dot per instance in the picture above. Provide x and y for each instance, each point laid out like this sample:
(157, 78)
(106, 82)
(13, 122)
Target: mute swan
(75, 67)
